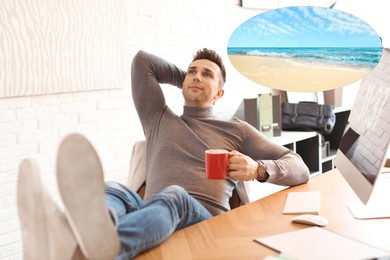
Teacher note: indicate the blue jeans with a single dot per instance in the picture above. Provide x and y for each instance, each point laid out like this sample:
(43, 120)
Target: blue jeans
(142, 226)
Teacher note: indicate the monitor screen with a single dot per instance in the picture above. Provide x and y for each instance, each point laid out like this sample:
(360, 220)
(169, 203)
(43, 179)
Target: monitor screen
(364, 145)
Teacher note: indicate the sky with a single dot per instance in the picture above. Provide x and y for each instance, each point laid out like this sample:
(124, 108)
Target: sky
(305, 26)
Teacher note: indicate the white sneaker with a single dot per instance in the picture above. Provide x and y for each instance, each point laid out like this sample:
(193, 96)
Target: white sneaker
(81, 185)
(46, 234)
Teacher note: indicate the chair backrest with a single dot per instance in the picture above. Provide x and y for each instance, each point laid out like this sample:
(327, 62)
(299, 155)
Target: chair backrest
(137, 173)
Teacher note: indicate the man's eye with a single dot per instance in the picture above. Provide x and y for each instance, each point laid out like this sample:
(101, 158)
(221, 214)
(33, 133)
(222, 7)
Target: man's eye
(207, 74)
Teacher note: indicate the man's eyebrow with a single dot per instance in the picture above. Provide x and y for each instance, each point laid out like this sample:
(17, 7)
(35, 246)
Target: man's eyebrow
(195, 67)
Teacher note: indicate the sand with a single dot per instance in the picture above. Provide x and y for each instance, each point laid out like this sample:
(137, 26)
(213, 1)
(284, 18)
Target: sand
(295, 75)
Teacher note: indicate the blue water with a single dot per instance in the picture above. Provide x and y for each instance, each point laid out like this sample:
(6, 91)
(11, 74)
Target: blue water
(351, 57)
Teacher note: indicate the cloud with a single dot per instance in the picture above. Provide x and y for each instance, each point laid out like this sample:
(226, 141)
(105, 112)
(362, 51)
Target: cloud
(259, 26)
(342, 23)
(301, 25)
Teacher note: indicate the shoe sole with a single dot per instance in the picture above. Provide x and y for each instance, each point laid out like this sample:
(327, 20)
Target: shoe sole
(81, 185)
(45, 231)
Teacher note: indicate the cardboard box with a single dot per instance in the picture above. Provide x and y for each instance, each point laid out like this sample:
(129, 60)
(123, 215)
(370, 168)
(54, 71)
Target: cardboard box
(334, 97)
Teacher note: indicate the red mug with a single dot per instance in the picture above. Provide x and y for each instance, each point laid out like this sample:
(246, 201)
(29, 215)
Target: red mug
(217, 164)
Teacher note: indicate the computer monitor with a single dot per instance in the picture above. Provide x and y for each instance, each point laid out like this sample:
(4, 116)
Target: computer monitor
(362, 150)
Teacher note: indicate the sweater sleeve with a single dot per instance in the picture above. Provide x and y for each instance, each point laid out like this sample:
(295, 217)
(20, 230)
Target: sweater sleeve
(284, 166)
(289, 169)
(147, 72)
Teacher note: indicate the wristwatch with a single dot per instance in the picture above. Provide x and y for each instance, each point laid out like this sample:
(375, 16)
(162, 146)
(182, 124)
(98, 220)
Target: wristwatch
(262, 174)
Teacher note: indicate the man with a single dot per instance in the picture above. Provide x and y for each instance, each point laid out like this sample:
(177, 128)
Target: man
(177, 191)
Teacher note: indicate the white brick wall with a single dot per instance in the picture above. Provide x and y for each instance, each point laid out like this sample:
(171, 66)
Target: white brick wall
(33, 126)
(370, 118)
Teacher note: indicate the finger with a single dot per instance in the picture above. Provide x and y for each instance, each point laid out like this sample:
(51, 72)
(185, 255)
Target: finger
(233, 175)
(233, 153)
(234, 165)
(231, 169)
(237, 159)
(235, 156)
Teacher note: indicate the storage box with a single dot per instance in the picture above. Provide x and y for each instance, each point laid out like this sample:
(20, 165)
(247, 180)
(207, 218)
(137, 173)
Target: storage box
(334, 97)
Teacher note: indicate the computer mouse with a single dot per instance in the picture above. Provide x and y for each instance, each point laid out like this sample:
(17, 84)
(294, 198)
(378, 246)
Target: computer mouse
(310, 219)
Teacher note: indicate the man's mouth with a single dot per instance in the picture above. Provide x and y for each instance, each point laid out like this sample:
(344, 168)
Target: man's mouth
(195, 87)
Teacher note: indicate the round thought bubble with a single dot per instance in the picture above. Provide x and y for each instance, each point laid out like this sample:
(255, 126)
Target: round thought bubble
(304, 49)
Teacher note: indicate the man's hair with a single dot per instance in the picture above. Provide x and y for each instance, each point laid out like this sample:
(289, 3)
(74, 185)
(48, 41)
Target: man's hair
(211, 56)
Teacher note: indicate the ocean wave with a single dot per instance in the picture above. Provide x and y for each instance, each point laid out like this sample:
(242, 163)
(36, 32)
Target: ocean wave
(354, 57)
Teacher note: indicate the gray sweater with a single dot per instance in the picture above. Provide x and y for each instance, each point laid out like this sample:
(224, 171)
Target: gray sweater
(176, 144)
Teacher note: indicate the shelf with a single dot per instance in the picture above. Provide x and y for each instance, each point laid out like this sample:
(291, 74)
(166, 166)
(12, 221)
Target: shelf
(331, 156)
(341, 109)
(289, 137)
(313, 174)
(308, 144)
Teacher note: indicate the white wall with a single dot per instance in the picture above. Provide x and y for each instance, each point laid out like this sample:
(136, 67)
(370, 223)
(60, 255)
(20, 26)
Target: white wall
(174, 29)
(32, 126)
(47, 47)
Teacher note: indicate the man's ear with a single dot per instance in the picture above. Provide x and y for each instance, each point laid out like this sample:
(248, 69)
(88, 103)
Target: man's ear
(219, 94)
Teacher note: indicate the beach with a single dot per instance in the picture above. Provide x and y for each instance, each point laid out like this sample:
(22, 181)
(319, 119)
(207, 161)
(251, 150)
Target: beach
(294, 75)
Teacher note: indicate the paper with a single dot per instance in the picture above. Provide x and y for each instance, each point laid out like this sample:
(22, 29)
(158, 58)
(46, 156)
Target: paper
(320, 244)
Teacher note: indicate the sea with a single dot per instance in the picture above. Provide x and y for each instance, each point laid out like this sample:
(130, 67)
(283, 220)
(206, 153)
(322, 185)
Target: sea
(357, 57)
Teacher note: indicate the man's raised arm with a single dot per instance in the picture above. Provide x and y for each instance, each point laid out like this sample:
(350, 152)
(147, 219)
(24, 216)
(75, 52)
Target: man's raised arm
(147, 72)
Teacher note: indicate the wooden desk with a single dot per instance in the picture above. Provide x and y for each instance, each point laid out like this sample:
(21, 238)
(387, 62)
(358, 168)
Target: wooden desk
(230, 235)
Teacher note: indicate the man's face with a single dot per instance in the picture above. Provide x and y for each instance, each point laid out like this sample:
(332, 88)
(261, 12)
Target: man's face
(201, 84)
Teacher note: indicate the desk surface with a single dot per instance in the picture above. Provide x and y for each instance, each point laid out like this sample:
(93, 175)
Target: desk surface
(230, 235)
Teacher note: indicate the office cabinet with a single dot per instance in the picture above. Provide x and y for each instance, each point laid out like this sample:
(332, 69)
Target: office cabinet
(309, 144)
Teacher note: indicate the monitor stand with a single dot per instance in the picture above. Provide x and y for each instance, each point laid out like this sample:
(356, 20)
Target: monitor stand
(369, 211)
(378, 205)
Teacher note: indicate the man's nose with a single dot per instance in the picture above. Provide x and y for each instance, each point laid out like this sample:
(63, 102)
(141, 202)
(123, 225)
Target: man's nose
(196, 77)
